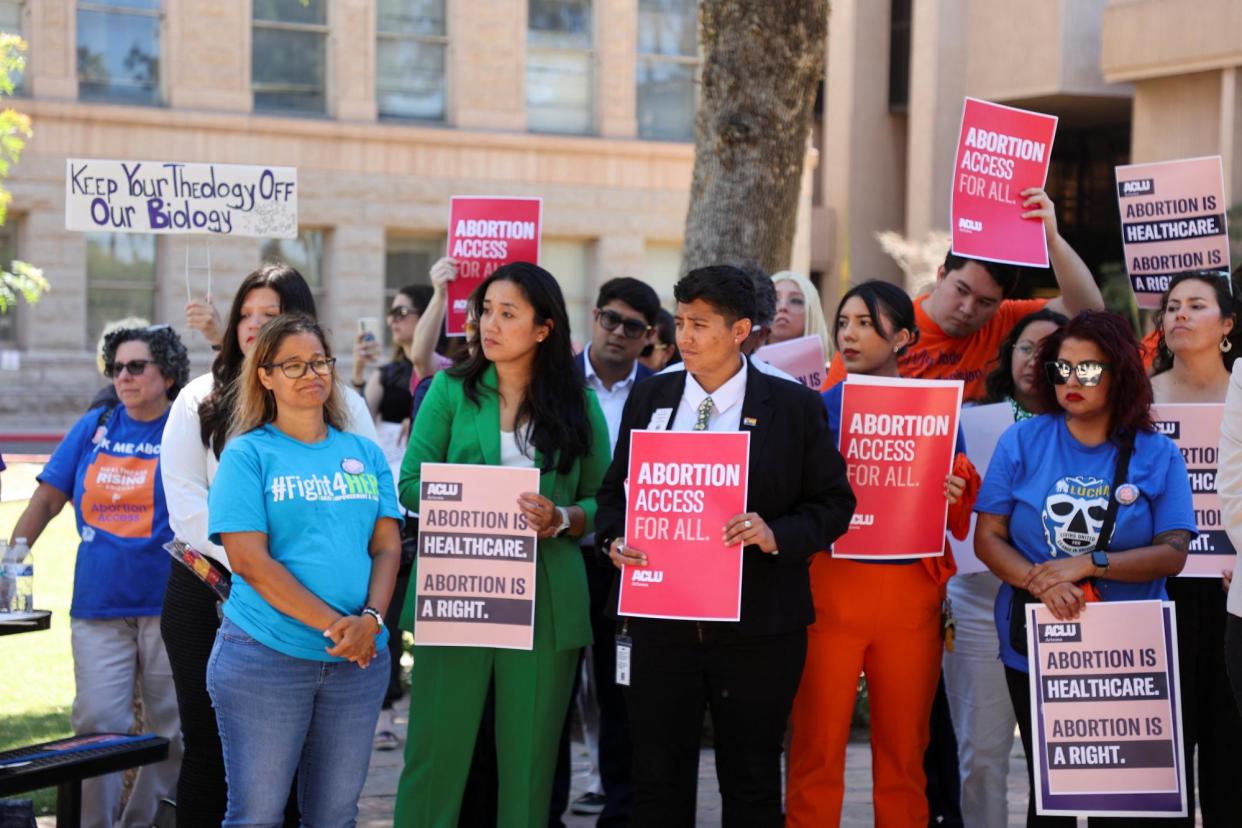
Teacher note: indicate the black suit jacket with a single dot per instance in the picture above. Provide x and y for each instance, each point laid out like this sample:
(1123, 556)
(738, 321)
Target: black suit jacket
(797, 485)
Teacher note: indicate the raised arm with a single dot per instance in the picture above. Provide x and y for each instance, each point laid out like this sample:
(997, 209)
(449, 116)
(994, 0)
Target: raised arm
(1079, 291)
(427, 333)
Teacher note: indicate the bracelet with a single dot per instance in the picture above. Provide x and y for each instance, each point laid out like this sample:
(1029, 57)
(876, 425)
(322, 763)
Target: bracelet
(374, 613)
(216, 347)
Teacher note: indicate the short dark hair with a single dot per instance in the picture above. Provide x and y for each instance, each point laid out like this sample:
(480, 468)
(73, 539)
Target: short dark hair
(884, 301)
(420, 298)
(1223, 286)
(1005, 276)
(765, 293)
(167, 352)
(1130, 396)
(637, 294)
(999, 382)
(725, 287)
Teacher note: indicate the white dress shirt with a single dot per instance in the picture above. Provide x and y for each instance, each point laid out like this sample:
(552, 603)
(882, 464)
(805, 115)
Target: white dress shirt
(726, 403)
(611, 400)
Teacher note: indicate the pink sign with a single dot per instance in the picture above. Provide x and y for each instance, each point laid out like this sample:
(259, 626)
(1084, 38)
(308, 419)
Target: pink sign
(1172, 219)
(801, 358)
(681, 490)
(1105, 710)
(1001, 151)
(1195, 427)
(475, 579)
(486, 232)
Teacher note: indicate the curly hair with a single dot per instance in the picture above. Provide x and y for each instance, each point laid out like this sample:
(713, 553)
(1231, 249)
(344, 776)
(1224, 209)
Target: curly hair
(167, 352)
(1130, 396)
(1224, 288)
(999, 382)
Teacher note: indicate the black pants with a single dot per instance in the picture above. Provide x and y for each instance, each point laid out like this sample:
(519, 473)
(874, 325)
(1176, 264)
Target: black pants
(188, 625)
(396, 642)
(1210, 720)
(1233, 655)
(681, 669)
(944, 782)
(1020, 696)
(614, 725)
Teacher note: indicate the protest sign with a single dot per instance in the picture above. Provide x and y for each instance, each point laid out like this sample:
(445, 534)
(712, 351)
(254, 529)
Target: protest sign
(1001, 151)
(681, 490)
(982, 427)
(898, 438)
(1105, 711)
(175, 197)
(801, 358)
(1172, 219)
(1195, 427)
(475, 581)
(486, 232)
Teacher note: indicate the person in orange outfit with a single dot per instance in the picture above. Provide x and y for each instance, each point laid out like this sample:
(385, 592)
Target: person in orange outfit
(880, 618)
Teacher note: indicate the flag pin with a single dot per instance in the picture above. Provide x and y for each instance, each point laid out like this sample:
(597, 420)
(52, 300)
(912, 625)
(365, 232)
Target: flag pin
(750, 421)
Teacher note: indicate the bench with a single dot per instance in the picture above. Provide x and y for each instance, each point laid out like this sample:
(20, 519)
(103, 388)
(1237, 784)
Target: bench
(64, 763)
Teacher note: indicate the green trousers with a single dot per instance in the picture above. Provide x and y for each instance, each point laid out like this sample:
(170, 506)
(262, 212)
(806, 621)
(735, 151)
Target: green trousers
(447, 691)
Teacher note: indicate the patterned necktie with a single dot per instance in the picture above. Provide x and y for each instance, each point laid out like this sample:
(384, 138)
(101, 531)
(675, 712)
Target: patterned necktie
(705, 413)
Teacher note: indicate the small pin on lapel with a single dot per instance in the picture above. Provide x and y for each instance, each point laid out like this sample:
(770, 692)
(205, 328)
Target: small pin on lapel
(750, 421)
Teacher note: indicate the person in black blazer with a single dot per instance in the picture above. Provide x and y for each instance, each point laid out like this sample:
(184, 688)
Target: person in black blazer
(799, 502)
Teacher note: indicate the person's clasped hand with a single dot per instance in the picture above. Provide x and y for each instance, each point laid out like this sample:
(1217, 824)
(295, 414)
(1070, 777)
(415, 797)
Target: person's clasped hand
(1048, 574)
(541, 514)
(353, 639)
(749, 529)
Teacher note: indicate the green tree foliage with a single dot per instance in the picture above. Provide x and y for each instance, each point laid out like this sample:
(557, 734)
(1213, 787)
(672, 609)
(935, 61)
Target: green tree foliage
(19, 279)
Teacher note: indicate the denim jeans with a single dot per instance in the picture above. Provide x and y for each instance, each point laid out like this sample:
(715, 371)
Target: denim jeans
(280, 714)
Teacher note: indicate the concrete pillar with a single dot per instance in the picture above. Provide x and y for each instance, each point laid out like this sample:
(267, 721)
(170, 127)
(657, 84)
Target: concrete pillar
(199, 70)
(1231, 132)
(487, 64)
(354, 280)
(52, 35)
(351, 62)
(616, 95)
(58, 320)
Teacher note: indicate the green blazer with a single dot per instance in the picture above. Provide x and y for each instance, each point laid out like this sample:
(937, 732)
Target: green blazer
(451, 429)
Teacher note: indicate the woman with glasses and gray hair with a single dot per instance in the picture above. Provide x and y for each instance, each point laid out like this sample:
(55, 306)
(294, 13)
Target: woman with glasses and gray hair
(108, 465)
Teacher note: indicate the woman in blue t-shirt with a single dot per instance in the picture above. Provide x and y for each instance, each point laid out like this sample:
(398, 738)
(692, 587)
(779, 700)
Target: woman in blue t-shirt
(108, 465)
(307, 515)
(1046, 494)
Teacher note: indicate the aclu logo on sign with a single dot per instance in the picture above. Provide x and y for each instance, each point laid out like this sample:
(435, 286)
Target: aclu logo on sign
(459, 305)
(1059, 633)
(1169, 428)
(1137, 187)
(969, 225)
(642, 577)
(862, 520)
(441, 491)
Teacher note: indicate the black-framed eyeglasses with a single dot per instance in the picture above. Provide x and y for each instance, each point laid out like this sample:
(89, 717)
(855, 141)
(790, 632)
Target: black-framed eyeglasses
(135, 367)
(400, 312)
(632, 328)
(1089, 372)
(297, 368)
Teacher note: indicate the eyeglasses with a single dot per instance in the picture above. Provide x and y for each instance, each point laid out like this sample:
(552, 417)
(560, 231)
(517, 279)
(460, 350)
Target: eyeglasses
(1089, 372)
(296, 368)
(632, 328)
(135, 367)
(401, 312)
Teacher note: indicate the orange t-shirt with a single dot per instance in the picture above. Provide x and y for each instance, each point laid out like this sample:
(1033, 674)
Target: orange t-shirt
(939, 356)
(1149, 347)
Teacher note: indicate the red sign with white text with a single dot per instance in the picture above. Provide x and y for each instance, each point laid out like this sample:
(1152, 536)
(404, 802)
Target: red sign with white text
(1001, 151)
(682, 488)
(486, 232)
(898, 438)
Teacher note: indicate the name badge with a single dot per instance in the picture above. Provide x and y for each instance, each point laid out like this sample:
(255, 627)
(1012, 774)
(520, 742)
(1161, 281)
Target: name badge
(625, 646)
(659, 419)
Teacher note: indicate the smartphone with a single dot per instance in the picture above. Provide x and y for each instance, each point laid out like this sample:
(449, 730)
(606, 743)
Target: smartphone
(369, 327)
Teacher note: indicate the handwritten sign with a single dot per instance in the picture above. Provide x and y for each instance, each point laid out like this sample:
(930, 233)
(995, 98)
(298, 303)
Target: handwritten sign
(475, 577)
(486, 232)
(1001, 151)
(801, 358)
(175, 197)
(1172, 219)
(1105, 707)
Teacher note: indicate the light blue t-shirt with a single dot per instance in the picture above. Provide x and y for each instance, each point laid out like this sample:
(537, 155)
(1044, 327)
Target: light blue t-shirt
(109, 466)
(1055, 491)
(318, 504)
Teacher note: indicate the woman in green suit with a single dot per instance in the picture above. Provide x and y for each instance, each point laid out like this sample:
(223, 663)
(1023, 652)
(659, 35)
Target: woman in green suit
(516, 401)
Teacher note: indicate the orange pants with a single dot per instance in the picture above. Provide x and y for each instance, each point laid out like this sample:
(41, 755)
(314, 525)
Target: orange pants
(882, 620)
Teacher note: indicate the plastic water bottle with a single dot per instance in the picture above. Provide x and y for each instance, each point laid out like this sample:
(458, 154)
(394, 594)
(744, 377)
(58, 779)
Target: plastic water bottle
(19, 573)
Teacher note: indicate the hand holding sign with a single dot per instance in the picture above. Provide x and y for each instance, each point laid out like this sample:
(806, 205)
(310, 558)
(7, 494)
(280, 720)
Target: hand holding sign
(202, 316)
(623, 556)
(749, 529)
(1038, 206)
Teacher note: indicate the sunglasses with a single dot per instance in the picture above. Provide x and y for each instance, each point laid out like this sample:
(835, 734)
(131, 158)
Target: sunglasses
(632, 328)
(401, 312)
(296, 368)
(135, 367)
(1089, 372)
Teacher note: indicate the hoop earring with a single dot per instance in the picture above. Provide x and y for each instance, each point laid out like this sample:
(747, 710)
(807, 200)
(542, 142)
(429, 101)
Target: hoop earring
(1226, 344)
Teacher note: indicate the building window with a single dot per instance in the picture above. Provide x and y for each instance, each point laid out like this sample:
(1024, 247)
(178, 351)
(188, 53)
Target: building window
(8, 252)
(289, 56)
(409, 59)
(11, 23)
(120, 278)
(408, 261)
(559, 67)
(305, 255)
(668, 65)
(569, 261)
(119, 51)
(662, 268)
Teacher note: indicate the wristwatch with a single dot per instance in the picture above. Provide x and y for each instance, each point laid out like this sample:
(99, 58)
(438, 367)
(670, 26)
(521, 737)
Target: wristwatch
(1099, 560)
(563, 526)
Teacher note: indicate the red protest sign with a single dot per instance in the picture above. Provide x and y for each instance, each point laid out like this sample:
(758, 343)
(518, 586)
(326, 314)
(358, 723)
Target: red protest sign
(682, 488)
(486, 232)
(1172, 219)
(1001, 151)
(898, 438)
(801, 358)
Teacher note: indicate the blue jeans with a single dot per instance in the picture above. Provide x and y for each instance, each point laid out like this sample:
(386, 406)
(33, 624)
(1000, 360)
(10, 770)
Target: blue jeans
(280, 714)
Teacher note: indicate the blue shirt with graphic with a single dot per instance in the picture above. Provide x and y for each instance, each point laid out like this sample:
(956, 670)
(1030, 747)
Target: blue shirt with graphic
(318, 504)
(1055, 491)
(110, 470)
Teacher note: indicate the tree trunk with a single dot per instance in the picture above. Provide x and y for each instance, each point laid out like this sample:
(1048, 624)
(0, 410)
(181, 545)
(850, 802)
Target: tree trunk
(762, 62)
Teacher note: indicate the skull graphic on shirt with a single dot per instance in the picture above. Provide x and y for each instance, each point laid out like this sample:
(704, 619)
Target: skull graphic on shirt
(1074, 513)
